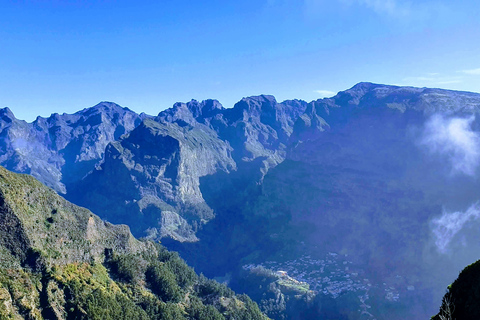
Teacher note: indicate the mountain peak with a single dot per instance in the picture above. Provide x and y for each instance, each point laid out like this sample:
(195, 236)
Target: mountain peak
(104, 107)
(204, 109)
(6, 112)
(261, 98)
(191, 112)
(366, 85)
(255, 105)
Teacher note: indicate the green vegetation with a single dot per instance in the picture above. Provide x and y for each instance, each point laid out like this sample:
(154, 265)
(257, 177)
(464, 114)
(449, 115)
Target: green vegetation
(462, 297)
(59, 261)
(163, 284)
(279, 295)
(127, 268)
(207, 288)
(102, 305)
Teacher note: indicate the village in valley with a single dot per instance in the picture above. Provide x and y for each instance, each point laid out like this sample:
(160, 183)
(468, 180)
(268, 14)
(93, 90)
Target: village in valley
(333, 276)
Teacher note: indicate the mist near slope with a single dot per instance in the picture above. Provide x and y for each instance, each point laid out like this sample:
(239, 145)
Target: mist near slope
(454, 139)
(454, 142)
(449, 224)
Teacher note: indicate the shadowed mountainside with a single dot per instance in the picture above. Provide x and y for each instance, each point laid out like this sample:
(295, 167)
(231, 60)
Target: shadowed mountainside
(461, 300)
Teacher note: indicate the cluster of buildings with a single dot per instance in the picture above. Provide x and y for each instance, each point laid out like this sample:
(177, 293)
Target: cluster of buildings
(333, 275)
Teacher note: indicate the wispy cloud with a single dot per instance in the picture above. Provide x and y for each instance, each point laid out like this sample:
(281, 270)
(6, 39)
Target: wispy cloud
(273, 2)
(454, 139)
(390, 7)
(475, 72)
(431, 79)
(400, 10)
(382, 7)
(325, 93)
(449, 224)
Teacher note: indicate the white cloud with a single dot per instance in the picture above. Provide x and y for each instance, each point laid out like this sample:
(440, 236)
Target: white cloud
(475, 72)
(448, 225)
(454, 139)
(325, 93)
(399, 10)
(451, 81)
(432, 79)
(390, 7)
(383, 7)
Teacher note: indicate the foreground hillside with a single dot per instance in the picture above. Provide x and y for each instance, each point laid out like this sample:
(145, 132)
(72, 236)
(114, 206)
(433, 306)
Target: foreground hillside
(461, 301)
(60, 261)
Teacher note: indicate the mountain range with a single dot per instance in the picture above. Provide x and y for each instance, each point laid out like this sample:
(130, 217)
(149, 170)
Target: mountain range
(368, 199)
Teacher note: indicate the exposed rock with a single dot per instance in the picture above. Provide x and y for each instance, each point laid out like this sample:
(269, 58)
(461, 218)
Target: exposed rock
(62, 149)
(259, 127)
(160, 163)
(192, 112)
(158, 166)
(365, 176)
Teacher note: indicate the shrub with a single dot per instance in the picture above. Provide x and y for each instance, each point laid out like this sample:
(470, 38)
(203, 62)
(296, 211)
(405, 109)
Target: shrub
(100, 305)
(184, 275)
(163, 283)
(198, 311)
(207, 287)
(125, 267)
(158, 310)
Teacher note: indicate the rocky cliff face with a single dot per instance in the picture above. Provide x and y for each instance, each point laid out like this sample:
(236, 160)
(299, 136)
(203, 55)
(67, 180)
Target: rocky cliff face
(385, 177)
(256, 127)
(62, 149)
(158, 165)
(161, 162)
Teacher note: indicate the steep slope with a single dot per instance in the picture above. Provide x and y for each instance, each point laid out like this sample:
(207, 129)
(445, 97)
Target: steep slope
(62, 149)
(60, 261)
(160, 163)
(257, 128)
(158, 166)
(382, 178)
(461, 300)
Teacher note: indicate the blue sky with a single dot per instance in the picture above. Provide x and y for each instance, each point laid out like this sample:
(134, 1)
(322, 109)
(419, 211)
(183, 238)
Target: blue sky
(63, 56)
